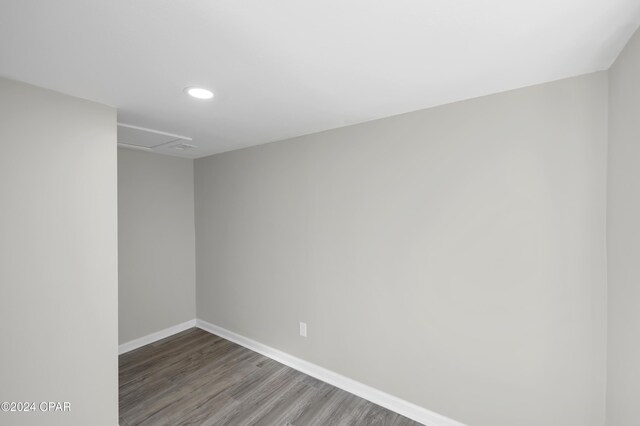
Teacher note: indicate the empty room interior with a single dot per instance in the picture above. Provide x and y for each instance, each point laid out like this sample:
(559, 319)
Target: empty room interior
(352, 212)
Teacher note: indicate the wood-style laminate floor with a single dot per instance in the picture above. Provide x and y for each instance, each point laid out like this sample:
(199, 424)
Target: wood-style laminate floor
(197, 378)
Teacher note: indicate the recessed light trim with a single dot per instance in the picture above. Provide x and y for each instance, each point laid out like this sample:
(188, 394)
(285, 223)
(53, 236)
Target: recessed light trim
(199, 93)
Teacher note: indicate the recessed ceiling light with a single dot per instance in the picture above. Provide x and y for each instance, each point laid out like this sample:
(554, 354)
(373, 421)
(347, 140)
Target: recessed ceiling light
(199, 92)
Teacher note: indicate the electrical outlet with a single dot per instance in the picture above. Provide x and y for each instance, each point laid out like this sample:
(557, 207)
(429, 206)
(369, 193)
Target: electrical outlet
(303, 329)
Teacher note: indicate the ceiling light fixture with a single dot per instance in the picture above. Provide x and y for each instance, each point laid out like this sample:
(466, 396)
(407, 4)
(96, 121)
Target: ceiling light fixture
(199, 92)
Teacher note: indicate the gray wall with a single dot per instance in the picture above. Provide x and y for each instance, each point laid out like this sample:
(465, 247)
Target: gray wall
(156, 242)
(623, 397)
(453, 257)
(58, 256)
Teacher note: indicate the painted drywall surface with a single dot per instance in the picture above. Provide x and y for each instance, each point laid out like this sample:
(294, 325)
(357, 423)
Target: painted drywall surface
(58, 257)
(623, 228)
(453, 257)
(156, 242)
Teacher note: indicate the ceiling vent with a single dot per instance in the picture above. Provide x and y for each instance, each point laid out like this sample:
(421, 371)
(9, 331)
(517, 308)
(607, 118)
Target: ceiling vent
(183, 146)
(149, 139)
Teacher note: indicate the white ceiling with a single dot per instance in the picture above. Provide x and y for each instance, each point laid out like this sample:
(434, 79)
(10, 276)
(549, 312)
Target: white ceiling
(283, 68)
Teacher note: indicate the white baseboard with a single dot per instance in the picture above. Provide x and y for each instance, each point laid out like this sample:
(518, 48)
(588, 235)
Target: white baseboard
(154, 337)
(400, 406)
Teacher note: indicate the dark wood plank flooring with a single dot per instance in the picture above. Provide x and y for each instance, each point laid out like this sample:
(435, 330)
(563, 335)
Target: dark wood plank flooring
(197, 378)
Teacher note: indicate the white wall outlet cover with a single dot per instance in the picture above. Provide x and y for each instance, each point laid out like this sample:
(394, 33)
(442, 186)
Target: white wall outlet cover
(303, 329)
